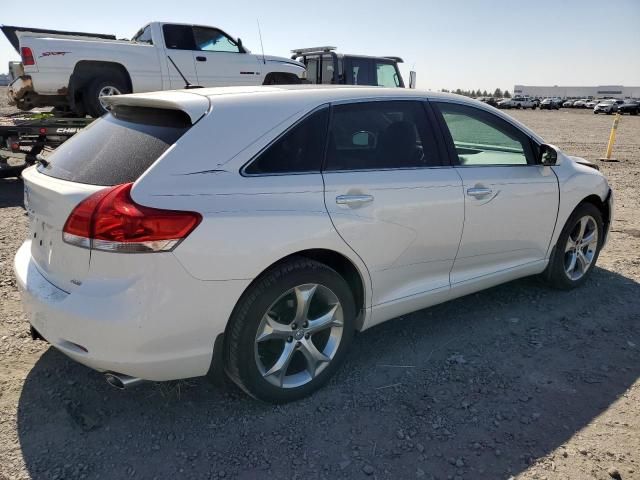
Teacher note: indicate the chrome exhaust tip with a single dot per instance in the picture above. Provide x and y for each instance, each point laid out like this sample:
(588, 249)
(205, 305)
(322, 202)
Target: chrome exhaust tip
(121, 381)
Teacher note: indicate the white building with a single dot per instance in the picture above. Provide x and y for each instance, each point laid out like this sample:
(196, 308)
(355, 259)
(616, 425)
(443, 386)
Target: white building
(600, 91)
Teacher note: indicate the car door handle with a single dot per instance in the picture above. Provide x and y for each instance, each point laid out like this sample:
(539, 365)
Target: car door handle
(201, 59)
(353, 200)
(479, 192)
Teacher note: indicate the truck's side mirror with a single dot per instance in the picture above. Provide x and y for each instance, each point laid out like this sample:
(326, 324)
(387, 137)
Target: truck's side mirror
(412, 79)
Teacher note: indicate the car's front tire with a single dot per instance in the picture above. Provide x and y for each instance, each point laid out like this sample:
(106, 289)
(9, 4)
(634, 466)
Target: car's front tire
(577, 249)
(290, 331)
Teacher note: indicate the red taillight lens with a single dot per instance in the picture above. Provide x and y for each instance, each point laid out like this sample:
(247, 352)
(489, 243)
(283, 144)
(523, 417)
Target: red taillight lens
(27, 56)
(110, 220)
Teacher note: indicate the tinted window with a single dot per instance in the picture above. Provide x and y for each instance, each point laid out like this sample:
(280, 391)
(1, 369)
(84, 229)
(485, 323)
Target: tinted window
(212, 40)
(377, 135)
(179, 37)
(481, 138)
(118, 147)
(359, 72)
(301, 149)
(387, 75)
(144, 36)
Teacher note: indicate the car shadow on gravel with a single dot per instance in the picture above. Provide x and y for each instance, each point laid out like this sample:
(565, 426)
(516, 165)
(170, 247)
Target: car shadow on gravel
(11, 192)
(476, 388)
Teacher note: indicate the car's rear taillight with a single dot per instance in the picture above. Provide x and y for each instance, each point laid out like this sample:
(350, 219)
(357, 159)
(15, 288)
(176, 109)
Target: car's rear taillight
(110, 220)
(27, 56)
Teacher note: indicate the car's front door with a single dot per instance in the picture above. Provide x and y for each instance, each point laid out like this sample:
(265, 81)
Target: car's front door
(511, 202)
(220, 61)
(393, 199)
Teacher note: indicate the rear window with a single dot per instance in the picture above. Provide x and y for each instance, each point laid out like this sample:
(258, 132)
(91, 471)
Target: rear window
(118, 147)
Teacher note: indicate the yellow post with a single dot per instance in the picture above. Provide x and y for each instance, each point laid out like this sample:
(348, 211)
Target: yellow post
(612, 139)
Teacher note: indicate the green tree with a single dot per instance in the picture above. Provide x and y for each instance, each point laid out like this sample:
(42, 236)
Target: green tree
(485, 93)
(458, 91)
(497, 93)
(507, 94)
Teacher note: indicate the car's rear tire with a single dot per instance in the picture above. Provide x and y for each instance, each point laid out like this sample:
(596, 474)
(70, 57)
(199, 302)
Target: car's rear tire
(577, 249)
(102, 86)
(290, 331)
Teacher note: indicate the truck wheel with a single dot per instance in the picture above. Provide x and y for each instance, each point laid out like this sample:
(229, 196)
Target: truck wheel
(99, 87)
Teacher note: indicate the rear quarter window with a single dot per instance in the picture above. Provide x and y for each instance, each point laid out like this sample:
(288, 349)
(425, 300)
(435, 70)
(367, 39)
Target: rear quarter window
(117, 148)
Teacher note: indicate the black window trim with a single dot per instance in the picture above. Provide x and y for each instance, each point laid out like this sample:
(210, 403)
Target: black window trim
(534, 145)
(431, 126)
(255, 157)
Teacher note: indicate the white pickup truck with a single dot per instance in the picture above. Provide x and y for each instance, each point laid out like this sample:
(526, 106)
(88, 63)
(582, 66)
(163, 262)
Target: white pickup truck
(73, 70)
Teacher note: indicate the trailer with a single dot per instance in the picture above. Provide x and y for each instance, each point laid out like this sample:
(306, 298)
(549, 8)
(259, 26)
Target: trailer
(25, 136)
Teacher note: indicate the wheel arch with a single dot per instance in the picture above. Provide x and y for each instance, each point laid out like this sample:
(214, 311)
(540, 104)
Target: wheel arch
(603, 206)
(86, 70)
(345, 267)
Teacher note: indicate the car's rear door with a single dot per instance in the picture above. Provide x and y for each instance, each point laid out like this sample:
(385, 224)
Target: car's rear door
(511, 202)
(393, 198)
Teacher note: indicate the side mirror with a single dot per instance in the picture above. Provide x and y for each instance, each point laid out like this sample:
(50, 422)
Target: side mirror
(412, 79)
(363, 139)
(548, 155)
(240, 47)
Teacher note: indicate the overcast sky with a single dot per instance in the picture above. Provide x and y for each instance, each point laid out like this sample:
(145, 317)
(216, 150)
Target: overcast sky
(450, 43)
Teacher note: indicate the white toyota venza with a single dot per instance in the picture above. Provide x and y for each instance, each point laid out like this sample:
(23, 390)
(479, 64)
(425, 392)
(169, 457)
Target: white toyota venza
(255, 230)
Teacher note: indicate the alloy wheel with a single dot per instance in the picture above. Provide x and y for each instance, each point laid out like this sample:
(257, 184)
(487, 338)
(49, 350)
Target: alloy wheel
(299, 335)
(107, 91)
(581, 247)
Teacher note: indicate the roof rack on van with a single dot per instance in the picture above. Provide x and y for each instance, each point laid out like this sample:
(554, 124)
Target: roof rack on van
(310, 50)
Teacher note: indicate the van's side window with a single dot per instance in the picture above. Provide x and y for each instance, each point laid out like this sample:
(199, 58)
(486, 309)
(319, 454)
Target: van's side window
(299, 150)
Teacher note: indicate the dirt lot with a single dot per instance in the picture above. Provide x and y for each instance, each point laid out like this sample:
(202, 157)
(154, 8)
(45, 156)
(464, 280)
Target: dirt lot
(518, 381)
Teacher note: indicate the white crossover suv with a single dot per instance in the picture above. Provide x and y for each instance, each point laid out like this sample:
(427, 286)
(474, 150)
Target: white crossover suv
(256, 229)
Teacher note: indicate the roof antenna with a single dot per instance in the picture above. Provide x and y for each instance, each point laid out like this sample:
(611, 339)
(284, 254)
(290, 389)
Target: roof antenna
(261, 46)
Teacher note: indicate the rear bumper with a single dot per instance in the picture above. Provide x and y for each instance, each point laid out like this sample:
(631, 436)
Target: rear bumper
(19, 88)
(157, 324)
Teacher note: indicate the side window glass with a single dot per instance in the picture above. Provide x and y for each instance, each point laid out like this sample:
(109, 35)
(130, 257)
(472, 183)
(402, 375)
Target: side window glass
(213, 40)
(312, 70)
(327, 70)
(144, 36)
(359, 72)
(178, 37)
(380, 135)
(481, 138)
(387, 75)
(299, 150)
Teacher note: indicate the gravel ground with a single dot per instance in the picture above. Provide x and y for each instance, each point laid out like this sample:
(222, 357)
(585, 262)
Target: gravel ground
(518, 381)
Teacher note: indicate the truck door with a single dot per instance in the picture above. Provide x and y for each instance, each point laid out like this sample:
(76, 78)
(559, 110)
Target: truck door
(180, 45)
(220, 61)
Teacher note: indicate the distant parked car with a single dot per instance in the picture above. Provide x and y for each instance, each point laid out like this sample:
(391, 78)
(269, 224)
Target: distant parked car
(517, 102)
(631, 107)
(591, 103)
(607, 106)
(569, 104)
(580, 103)
(549, 104)
(489, 101)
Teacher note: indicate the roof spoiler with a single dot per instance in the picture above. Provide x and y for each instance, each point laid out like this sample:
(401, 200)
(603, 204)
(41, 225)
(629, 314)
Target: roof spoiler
(11, 32)
(194, 105)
